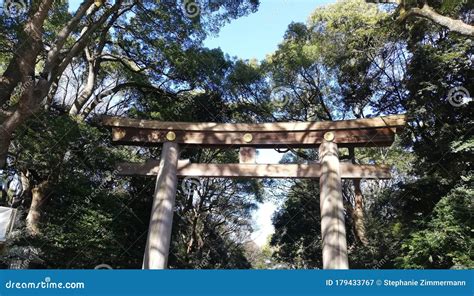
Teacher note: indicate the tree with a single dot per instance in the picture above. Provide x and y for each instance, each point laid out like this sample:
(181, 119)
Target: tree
(297, 237)
(75, 222)
(427, 10)
(446, 242)
(28, 46)
(39, 57)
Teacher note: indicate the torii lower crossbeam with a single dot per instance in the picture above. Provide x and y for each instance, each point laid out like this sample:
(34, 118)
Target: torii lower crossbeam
(241, 170)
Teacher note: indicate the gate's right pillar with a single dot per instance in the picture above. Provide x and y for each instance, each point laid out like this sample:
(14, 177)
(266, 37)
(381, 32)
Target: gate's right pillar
(333, 229)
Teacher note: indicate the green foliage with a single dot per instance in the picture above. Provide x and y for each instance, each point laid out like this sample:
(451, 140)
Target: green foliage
(297, 237)
(447, 240)
(88, 219)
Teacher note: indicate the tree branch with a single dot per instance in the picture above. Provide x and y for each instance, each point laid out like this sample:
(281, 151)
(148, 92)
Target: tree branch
(429, 13)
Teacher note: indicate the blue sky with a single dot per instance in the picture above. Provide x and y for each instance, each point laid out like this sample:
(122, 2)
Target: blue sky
(259, 34)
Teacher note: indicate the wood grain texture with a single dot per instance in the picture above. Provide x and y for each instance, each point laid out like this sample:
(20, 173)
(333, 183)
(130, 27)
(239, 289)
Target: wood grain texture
(371, 132)
(333, 228)
(373, 137)
(235, 170)
(377, 122)
(161, 218)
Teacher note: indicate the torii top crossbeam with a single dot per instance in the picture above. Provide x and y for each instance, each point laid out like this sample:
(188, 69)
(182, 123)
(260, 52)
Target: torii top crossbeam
(370, 132)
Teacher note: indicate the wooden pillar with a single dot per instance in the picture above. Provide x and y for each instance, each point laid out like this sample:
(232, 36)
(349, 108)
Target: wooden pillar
(161, 220)
(333, 229)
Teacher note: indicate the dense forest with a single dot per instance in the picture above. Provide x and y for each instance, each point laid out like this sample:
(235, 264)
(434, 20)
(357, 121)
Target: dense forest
(64, 67)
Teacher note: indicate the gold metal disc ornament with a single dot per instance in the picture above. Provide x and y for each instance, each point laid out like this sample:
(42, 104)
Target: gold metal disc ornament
(170, 136)
(329, 136)
(248, 138)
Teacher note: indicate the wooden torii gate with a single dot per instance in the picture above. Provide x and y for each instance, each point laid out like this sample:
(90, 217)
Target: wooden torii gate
(329, 136)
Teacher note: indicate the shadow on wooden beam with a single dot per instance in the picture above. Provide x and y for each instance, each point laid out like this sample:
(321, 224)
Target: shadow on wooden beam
(235, 170)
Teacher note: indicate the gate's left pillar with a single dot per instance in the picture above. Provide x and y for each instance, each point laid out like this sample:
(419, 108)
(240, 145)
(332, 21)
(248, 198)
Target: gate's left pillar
(161, 220)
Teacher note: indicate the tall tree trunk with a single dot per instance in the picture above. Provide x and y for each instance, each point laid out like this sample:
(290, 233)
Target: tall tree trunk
(88, 90)
(29, 103)
(38, 198)
(36, 91)
(358, 213)
(21, 67)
